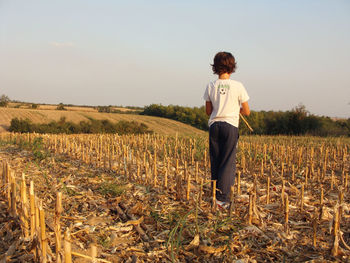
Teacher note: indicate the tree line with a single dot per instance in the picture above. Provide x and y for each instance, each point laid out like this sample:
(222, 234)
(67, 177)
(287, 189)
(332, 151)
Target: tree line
(297, 121)
(195, 116)
(67, 127)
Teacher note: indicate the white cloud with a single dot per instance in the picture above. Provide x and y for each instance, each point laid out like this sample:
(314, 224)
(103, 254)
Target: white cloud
(61, 44)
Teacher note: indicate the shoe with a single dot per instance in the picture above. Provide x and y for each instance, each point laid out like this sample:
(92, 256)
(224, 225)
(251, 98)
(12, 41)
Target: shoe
(222, 205)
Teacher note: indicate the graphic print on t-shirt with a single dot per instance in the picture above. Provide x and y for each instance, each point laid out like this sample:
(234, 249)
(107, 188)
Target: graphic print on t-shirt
(223, 89)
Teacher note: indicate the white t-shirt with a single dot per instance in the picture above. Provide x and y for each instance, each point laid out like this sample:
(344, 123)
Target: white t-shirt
(226, 95)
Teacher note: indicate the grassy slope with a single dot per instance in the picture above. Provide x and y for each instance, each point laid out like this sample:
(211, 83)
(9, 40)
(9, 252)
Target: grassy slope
(158, 125)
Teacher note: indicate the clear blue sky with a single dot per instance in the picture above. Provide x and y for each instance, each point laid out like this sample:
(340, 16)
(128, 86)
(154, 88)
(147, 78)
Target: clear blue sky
(142, 52)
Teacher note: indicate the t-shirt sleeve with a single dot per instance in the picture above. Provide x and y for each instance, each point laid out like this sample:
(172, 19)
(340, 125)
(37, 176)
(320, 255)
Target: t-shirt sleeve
(206, 94)
(244, 95)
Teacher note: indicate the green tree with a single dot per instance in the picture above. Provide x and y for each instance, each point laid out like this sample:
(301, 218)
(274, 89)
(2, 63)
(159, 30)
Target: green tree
(60, 107)
(4, 100)
(35, 106)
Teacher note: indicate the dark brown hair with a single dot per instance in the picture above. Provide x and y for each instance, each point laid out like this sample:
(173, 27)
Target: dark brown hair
(224, 62)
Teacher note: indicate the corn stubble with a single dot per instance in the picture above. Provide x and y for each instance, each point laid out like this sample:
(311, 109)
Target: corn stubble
(290, 201)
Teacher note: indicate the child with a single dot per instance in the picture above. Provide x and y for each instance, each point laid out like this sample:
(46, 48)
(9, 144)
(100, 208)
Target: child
(225, 99)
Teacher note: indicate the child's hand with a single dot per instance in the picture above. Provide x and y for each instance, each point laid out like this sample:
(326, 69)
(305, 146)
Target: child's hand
(245, 110)
(208, 107)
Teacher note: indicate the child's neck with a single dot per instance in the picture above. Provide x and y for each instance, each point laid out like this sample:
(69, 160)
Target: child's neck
(224, 76)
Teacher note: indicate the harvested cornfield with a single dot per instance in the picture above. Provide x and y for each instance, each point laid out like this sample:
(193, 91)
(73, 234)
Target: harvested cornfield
(149, 198)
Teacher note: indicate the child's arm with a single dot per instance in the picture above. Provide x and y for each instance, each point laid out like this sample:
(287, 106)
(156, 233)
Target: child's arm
(208, 107)
(245, 110)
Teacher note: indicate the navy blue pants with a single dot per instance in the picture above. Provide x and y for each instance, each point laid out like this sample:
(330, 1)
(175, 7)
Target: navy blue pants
(223, 139)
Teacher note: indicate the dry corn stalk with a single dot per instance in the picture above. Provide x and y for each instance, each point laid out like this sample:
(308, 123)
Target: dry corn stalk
(67, 247)
(43, 235)
(58, 226)
(214, 195)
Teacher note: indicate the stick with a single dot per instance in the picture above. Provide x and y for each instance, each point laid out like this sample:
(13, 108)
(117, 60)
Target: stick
(245, 121)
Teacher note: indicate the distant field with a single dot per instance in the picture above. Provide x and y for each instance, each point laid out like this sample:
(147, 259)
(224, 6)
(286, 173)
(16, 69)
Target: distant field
(26, 105)
(77, 114)
(53, 107)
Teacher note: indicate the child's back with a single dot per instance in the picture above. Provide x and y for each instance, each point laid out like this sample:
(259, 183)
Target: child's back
(226, 96)
(225, 99)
